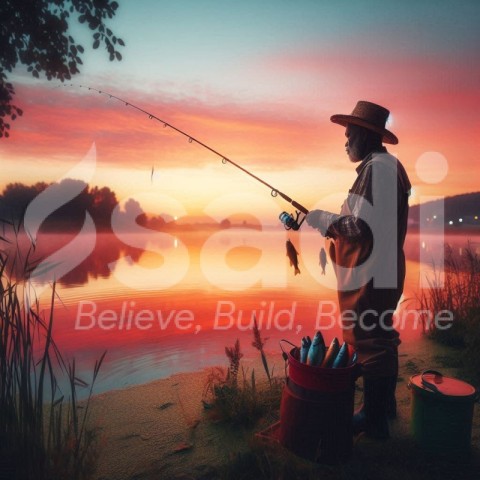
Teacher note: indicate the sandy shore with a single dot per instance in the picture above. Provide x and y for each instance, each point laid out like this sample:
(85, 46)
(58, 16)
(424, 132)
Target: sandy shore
(160, 429)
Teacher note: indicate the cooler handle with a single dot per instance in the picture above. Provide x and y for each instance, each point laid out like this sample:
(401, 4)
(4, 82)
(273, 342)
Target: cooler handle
(430, 386)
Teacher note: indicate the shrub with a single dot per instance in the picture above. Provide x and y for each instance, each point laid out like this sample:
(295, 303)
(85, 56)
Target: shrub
(459, 294)
(241, 402)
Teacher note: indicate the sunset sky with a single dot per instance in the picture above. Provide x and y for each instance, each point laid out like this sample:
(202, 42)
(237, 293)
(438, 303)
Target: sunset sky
(258, 81)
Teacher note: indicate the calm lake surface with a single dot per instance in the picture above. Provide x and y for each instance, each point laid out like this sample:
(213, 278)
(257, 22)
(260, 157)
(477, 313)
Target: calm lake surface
(163, 303)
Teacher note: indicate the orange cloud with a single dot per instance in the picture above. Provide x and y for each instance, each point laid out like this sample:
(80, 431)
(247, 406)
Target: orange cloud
(434, 101)
(59, 123)
(434, 109)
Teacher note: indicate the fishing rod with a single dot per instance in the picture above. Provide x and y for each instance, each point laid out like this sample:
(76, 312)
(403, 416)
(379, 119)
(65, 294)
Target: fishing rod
(289, 220)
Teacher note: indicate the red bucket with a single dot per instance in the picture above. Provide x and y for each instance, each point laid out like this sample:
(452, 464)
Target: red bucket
(317, 409)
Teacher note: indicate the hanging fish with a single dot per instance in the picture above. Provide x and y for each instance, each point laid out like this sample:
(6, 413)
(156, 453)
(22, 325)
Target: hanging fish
(323, 260)
(292, 255)
(317, 350)
(332, 353)
(341, 359)
(306, 342)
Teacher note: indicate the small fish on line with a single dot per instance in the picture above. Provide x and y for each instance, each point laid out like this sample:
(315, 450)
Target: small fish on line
(292, 255)
(323, 260)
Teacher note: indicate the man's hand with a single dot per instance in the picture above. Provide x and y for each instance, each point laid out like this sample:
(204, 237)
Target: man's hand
(318, 219)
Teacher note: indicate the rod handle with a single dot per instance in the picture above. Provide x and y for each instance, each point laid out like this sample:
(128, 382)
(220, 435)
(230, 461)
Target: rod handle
(299, 207)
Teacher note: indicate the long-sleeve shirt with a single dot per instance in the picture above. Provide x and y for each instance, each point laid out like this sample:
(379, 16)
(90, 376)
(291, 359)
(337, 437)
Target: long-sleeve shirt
(360, 196)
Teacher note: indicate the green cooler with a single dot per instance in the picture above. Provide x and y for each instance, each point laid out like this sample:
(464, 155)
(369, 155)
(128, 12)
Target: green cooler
(442, 413)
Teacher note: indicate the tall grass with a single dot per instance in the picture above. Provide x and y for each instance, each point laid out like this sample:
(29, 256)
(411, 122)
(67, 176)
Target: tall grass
(242, 401)
(456, 289)
(258, 343)
(43, 435)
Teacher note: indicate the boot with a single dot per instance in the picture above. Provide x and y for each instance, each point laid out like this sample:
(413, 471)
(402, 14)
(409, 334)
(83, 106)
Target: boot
(372, 417)
(391, 400)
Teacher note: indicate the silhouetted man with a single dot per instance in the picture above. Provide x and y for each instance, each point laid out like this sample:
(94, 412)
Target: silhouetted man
(366, 250)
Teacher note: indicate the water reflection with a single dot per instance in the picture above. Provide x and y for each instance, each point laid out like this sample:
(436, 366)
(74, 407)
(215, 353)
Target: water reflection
(118, 299)
(240, 251)
(24, 259)
(426, 248)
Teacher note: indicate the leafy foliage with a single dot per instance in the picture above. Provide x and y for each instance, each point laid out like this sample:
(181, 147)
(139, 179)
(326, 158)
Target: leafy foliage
(36, 34)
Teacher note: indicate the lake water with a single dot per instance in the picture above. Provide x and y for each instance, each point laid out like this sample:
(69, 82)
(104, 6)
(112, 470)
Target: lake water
(163, 303)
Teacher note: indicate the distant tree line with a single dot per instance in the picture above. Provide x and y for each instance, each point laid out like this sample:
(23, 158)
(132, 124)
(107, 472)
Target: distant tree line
(99, 202)
(465, 207)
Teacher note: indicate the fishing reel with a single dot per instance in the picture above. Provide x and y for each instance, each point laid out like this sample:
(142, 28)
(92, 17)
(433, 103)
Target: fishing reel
(290, 222)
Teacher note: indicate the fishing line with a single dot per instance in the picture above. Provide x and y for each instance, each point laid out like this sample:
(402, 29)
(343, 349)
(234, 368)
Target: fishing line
(289, 221)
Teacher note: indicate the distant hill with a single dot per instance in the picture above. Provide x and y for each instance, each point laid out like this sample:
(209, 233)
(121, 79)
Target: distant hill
(459, 210)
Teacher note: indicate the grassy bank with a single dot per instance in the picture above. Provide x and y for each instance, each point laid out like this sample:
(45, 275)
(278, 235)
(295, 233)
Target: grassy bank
(398, 458)
(456, 288)
(235, 395)
(162, 430)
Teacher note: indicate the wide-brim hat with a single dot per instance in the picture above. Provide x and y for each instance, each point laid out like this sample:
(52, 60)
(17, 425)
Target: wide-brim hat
(368, 115)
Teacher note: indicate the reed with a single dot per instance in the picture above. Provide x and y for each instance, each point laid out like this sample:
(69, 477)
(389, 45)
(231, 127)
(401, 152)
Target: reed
(241, 402)
(44, 432)
(258, 343)
(234, 355)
